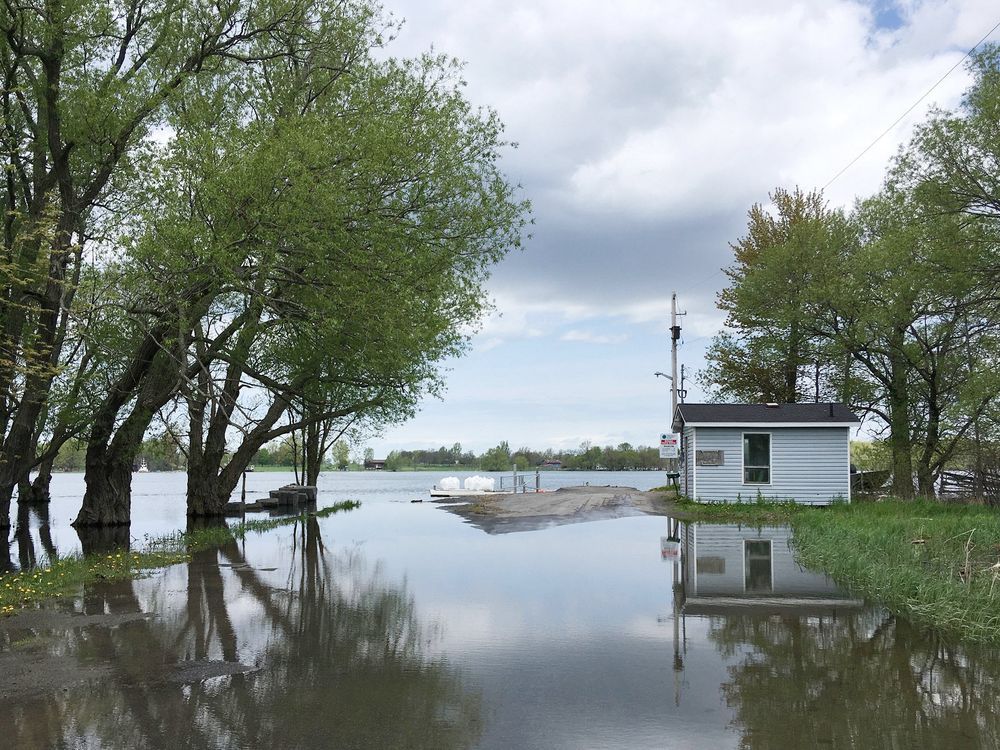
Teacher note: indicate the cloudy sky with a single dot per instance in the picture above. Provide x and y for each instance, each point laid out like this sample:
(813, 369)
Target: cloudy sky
(646, 129)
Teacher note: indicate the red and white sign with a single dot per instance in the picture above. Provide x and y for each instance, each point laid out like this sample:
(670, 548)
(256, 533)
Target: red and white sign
(669, 445)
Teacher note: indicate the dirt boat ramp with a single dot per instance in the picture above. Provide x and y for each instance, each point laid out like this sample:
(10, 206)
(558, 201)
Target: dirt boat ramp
(499, 514)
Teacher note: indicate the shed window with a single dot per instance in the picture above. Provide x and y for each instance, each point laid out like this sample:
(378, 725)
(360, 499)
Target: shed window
(756, 458)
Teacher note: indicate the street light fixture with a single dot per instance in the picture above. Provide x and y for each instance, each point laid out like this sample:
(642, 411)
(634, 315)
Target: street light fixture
(681, 392)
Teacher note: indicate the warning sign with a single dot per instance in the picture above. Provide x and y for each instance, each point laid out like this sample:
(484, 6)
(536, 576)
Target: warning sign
(669, 445)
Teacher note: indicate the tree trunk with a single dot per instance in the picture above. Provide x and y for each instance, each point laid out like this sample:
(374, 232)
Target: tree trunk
(791, 366)
(103, 539)
(206, 497)
(108, 499)
(19, 447)
(6, 564)
(38, 490)
(109, 462)
(899, 432)
(311, 451)
(932, 442)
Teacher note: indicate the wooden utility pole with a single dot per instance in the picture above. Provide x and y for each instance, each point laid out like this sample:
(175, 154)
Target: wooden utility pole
(675, 335)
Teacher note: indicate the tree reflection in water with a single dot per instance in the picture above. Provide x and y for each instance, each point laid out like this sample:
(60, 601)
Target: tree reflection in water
(27, 557)
(333, 658)
(864, 680)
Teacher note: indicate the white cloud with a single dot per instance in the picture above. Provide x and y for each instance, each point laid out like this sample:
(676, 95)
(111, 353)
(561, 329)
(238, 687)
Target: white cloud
(647, 128)
(588, 337)
(654, 114)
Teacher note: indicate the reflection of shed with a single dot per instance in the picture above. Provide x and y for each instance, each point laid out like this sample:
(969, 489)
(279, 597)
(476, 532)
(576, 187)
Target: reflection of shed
(742, 452)
(728, 567)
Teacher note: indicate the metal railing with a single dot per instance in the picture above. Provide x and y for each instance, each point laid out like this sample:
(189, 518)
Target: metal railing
(519, 483)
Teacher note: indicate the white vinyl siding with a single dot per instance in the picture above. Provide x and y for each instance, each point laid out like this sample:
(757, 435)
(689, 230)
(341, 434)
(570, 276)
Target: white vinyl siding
(715, 557)
(688, 448)
(809, 465)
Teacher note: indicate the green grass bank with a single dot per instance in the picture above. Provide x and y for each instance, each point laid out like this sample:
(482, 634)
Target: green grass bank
(66, 575)
(936, 564)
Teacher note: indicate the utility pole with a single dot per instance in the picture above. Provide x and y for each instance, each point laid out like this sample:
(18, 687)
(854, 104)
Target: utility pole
(675, 335)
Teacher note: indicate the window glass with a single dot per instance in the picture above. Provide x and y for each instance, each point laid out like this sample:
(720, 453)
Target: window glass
(756, 458)
(757, 566)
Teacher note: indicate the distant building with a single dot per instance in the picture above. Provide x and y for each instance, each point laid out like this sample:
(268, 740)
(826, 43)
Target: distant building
(550, 464)
(780, 452)
(374, 464)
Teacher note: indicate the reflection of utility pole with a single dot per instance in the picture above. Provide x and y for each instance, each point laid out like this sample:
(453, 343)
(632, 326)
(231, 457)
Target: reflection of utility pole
(673, 530)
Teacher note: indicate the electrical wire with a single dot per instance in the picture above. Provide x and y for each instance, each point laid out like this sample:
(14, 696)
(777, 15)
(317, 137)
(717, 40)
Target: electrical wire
(912, 107)
(870, 146)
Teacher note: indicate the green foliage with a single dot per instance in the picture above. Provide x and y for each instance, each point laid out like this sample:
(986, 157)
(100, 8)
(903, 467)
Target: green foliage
(871, 455)
(623, 457)
(340, 455)
(71, 456)
(893, 308)
(161, 453)
(776, 264)
(497, 458)
(302, 243)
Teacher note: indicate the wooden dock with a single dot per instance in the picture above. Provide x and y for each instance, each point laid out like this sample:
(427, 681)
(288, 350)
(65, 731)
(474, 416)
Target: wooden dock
(288, 499)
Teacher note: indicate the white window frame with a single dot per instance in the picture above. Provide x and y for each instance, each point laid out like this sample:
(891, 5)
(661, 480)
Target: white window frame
(770, 459)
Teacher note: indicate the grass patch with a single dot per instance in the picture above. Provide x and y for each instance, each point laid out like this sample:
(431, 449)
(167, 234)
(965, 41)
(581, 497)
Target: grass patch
(936, 564)
(65, 575)
(757, 513)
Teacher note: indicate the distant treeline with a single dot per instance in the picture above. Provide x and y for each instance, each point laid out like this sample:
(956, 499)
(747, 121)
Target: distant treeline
(622, 457)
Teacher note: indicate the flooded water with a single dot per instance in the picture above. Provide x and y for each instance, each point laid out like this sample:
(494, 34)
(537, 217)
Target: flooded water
(398, 625)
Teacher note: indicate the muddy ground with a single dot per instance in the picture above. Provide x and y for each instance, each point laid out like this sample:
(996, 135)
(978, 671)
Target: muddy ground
(500, 514)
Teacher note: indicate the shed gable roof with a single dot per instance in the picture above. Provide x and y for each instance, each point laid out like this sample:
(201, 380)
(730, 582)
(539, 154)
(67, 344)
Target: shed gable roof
(812, 414)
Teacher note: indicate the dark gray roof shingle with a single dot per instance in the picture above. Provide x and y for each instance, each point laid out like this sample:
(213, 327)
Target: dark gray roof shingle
(761, 413)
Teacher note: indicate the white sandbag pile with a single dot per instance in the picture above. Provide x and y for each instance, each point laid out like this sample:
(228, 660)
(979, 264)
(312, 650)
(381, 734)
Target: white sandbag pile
(450, 483)
(479, 483)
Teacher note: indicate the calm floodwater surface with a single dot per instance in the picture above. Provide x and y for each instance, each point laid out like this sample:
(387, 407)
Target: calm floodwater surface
(398, 625)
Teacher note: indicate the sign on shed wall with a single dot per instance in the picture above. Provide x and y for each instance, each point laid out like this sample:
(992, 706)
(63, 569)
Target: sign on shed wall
(710, 458)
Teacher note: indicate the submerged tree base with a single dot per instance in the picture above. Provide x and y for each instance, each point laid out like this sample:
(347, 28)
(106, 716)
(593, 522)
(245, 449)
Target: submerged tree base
(65, 575)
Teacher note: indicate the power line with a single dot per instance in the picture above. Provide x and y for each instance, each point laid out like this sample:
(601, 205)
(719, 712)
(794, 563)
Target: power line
(870, 146)
(912, 107)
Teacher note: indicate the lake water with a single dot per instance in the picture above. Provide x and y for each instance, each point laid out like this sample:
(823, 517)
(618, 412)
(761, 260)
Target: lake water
(398, 625)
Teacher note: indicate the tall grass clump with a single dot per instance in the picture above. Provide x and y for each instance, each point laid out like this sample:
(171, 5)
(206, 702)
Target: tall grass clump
(936, 564)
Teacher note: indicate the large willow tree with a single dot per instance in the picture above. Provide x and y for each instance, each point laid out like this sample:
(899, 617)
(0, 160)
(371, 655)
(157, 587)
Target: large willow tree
(290, 229)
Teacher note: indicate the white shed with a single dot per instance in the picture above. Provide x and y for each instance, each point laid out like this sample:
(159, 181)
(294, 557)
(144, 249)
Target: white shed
(779, 452)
